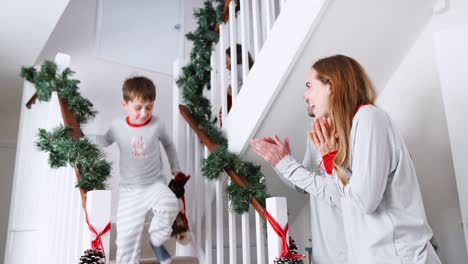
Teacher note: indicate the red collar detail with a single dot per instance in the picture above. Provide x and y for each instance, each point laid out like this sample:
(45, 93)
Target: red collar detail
(137, 125)
(361, 105)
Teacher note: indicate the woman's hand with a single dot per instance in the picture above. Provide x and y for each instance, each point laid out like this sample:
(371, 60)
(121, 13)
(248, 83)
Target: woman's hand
(271, 149)
(324, 136)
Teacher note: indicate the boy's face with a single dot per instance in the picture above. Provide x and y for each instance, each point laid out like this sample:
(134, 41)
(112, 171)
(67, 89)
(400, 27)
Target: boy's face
(138, 111)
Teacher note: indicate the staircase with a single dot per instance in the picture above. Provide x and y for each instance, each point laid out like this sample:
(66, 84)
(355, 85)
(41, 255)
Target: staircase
(147, 255)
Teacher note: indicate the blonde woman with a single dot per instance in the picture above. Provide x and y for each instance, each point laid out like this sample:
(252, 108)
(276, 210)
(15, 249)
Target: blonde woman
(371, 171)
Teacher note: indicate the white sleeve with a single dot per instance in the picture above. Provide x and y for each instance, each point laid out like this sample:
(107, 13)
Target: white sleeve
(371, 164)
(322, 187)
(170, 149)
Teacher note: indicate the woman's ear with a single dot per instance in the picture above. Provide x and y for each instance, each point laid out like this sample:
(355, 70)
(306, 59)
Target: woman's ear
(330, 88)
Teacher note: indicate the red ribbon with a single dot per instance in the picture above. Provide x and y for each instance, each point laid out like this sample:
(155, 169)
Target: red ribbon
(328, 161)
(97, 242)
(282, 232)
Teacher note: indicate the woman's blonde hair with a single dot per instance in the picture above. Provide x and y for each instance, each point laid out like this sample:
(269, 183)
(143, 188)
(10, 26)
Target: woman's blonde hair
(350, 87)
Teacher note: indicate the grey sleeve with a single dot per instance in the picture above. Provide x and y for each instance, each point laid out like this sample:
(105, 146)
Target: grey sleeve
(322, 187)
(307, 162)
(102, 140)
(372, 155)
(170, 149)
(311, 156)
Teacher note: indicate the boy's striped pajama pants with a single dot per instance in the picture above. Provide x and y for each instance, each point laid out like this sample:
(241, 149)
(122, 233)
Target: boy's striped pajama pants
(134, 203)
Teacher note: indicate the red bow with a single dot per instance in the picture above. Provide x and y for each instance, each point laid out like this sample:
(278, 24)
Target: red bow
(281, 232)
(97, 242)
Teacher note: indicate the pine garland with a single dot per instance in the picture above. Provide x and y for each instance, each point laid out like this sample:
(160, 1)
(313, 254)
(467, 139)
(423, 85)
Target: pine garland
(62, 147)
(47, 81)
(194, 78)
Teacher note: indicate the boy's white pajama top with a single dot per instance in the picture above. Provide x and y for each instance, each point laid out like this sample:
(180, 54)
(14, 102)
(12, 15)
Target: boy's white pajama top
(382, 208)
(142, 184)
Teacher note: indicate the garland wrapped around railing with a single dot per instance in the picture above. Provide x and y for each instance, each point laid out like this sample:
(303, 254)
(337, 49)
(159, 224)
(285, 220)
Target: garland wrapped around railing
(64, 144)
(194, 78)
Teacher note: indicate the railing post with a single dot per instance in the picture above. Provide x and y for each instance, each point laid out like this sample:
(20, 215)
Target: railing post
(278, 209)
(98, 205)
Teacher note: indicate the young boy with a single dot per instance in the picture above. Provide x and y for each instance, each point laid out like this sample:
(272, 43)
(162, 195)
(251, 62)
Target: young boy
(142, 181)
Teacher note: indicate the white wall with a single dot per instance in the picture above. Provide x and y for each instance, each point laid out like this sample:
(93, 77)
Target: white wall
(26, 26)
(413, 99)
(188, 23)
(140, 34)
(450, 37)
(452, 60)
(8, 139)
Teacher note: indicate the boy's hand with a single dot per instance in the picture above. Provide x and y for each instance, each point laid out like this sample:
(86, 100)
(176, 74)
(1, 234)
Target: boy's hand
(177, 184)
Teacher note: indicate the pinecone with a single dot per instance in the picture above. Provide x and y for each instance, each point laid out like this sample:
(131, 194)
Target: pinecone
(293, 249)
(281, 261)
(94, 256)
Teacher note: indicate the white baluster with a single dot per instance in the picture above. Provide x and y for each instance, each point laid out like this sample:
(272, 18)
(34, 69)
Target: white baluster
(233, 41)
(245, 238)
(208, 224)
(244, 16)
(222, 62)
(260, 239)
(268, 16)
(256, 24)
(199, 194)
(282, 3)
(213, 82)
(232, 236)
(273, 12)
(219, 222)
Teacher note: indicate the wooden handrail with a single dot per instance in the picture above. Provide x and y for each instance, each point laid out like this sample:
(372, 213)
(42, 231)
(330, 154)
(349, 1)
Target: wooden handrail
(241, 181)
(225, 14)
(69, 119)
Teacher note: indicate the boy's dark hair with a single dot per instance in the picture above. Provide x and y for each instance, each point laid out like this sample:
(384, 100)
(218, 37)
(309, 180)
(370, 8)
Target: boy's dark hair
(239, 55)
(139, 87)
